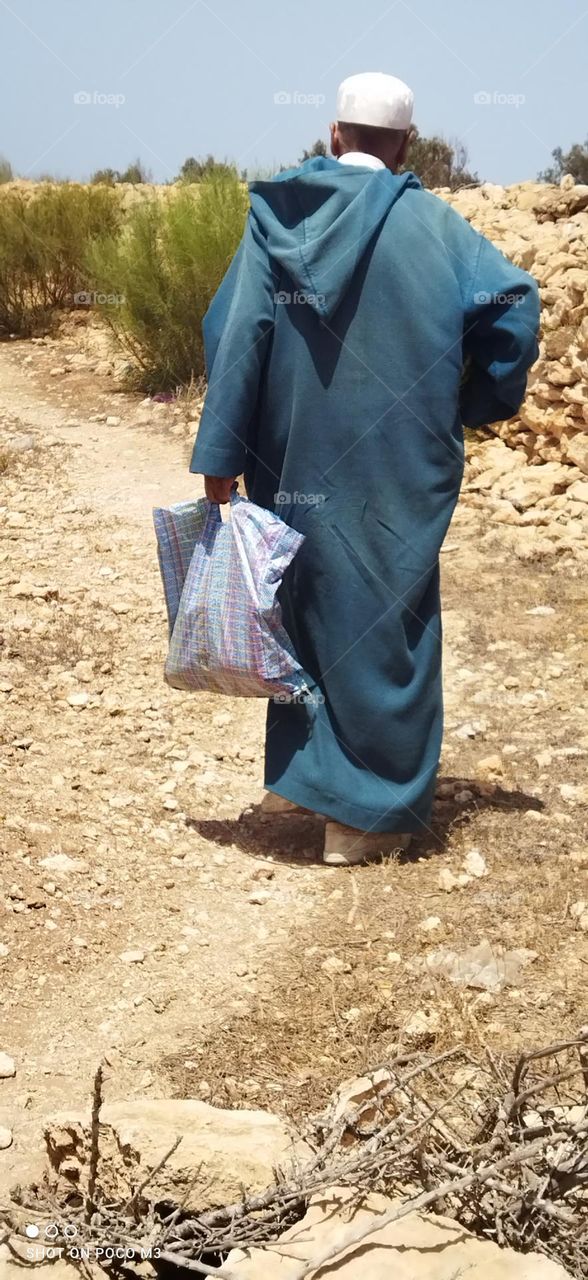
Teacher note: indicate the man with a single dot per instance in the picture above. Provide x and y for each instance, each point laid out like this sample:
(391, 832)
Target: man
(335, 352)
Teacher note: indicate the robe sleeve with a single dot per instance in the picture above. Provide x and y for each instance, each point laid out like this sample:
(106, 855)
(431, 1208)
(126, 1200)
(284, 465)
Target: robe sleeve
(501, 324)
(237, 331)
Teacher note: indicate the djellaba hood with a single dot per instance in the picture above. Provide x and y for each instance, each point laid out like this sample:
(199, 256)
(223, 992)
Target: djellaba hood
(319, 220)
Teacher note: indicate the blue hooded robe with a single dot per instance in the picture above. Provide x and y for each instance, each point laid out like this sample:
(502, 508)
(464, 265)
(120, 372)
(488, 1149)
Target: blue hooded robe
(335, 347)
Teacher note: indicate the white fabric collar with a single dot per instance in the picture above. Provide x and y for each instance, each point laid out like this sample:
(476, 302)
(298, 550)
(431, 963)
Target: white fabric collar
(363, 159)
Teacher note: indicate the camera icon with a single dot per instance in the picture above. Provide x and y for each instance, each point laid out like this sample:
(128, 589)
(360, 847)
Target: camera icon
(482, 298)
(82, 98)
(282, 99)
(482, 98)
(282, 297)
(83, 299)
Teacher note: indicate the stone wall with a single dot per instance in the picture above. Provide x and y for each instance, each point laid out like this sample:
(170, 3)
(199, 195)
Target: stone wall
(545, 230)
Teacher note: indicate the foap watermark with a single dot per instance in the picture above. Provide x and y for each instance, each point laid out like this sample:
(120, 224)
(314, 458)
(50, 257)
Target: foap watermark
(312, 697)
(482, 299)
(93, 298)
(97, 99)
(299, 299)
(298, 99)
(284, 499)
(494, 98)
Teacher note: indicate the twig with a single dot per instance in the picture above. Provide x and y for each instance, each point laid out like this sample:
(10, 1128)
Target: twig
(94, 1143)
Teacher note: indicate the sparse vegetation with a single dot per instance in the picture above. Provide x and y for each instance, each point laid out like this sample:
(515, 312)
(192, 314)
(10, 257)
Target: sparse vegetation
(194, 170)
(574, 161)
(439, 163)
(319, 148)
(135, 173)
(43, 245)
(6, 174)
(164, 270)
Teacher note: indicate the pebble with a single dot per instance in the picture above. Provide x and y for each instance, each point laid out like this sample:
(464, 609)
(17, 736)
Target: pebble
(471, 729)
(423, 1022)
(132, 957)
(78, 700)
(7, 1066)
(63, 862)
(113, 421)
(259, 897)
(5, 1138)
(491, 765)
(474, 864)
(430, 924)
(447, 880)
(334, 965)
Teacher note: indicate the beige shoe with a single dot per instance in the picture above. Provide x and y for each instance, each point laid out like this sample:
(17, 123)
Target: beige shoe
(346, 847)
(273, 804)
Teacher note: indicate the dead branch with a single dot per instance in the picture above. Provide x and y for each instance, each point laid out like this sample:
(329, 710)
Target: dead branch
(503, 1151)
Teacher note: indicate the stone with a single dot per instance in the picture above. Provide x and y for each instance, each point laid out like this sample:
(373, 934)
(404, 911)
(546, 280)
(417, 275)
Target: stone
(526, 488)
(470, 729)
(417, 1247)
(63, 863)
(334, 965)
(425, 1022)
(78, 700)
(474, 864)
(5, 1138)
(483, 967)
(430, 924)
(447, 880)
(221, 1152)
(133, 956)
(356, 1093)
(493, 766)
(7, 1066)
(577, 451)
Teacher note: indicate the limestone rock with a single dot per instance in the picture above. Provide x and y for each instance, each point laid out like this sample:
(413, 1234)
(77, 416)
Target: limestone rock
(220, 1152)
(577, 451)
(7, 1066)
(418, 1247)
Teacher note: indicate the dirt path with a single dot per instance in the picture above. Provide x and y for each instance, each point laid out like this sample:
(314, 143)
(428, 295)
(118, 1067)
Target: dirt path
(129, 822)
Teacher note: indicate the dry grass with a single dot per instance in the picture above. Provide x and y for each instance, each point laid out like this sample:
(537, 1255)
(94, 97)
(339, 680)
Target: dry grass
(306, 1030)
(68, 639)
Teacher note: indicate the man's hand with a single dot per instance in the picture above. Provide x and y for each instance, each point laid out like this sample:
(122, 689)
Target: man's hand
(219, 488)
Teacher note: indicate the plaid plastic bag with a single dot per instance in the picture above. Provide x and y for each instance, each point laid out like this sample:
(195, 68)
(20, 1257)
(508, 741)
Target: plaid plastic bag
(220, 580)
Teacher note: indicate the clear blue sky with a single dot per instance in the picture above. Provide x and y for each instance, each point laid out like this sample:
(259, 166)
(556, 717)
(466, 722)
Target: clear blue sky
(201, 76)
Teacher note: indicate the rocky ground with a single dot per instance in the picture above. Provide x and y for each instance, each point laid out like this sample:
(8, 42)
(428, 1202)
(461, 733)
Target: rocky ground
(148, 917)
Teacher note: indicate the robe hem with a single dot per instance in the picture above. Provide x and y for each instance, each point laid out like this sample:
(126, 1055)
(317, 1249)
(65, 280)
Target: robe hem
(352, 815)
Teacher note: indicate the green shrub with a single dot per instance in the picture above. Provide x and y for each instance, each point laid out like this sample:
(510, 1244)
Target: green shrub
(44, 242)
(574, 161)
(163, 271)
(6, 174)
(194, 170)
